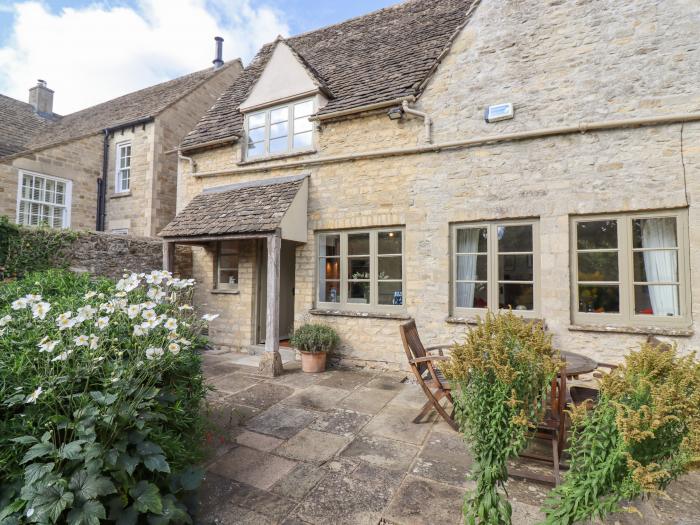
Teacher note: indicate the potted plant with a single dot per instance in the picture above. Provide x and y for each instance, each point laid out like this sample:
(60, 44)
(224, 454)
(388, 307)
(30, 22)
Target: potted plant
(314, 341)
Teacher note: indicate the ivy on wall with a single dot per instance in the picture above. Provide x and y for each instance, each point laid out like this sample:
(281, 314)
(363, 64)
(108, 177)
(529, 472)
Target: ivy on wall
(24, 250)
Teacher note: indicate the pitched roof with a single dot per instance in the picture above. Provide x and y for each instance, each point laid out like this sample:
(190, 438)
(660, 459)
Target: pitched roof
(378, 57)
(139, 105)
(249, 207)
(18, 124)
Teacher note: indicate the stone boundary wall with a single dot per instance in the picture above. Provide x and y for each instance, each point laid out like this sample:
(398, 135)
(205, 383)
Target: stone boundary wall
(109, 255)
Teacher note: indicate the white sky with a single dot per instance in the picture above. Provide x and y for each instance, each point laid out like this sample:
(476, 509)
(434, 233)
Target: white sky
(95, 53)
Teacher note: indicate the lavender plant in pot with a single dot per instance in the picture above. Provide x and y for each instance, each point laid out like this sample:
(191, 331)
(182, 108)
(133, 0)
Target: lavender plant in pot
(314, 341)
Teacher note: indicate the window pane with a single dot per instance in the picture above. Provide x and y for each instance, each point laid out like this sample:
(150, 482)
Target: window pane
(303, 109)
(329, 245)
(57, 218)
(389, 268)
(279, 115)
(279, 145)
(656, 300)
(228, 262)
(514, 238)
(228, 247)
(472, 240)
(516, 296)
(515, 268)
(302, 125)
(329, 292)
(330, 267)
(656, 266)
(598, 266)
(654, 233)
(256, 121)
(389, 243)
(303, 140)
(358, 268)
(391, 293)
(279, 130)
(598, 299)
(256, 135)
(228, 278)
(471, 295)
(358, 293)
(358, 244)
(255, 149)
(471, 268)
(596, 234)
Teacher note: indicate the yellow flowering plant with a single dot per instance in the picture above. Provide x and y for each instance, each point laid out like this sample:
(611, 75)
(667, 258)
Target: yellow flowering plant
(503, 370)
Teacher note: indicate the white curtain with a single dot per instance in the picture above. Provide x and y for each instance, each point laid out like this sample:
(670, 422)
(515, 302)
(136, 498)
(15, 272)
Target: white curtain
(661, 265)
(467, 241)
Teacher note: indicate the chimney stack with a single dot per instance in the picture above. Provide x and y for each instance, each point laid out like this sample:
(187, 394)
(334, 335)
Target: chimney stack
(218, 60)
(41, 97)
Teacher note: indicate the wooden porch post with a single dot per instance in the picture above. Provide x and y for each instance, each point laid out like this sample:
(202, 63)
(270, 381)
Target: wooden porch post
(271, 361)
(168, 256)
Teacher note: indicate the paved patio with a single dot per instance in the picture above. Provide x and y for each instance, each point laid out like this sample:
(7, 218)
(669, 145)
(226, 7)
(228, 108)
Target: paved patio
(339, 447)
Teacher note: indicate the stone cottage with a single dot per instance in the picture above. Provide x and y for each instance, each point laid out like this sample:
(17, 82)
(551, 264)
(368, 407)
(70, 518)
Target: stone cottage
(437, 160)
(111, 167)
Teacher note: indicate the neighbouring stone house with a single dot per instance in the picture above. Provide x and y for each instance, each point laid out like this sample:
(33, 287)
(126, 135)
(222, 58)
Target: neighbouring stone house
(52, 166)
(351, 175)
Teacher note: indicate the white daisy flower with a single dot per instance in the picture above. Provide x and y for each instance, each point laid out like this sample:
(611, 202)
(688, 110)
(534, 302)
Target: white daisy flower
(153, 323)
(139, 330)
(5, 320)
(86, 312)
(20, 303)
(62, 356)
(172, 336)
(102, 322)
(89, 295)
(32, 298)
(120, 294)
(133, 310)
(174, 348)
(107, 307)
(153, 352)
(185, 342)
(149, 305)
(93, 341)
(31, 398)
(47, 346)
(64, 321)
(148, 315)
(185, 307)
(171, 324)
(210, 317)
(81, 340)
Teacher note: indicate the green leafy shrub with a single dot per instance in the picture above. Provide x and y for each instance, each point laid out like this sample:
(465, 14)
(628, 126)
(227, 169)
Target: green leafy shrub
(503, 371)
(643, 433)
(314, 338)
(25, 250)
(100, 399)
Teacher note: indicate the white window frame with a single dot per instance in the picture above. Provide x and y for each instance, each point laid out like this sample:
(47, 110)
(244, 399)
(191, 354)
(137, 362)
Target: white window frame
(119, 171)
(290, 129)
(66, 206)
(374, 256)
(625, 250)
(222, 250)
(492, 281)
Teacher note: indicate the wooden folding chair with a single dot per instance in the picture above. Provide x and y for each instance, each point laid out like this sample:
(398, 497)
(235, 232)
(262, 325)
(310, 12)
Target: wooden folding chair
(427, 372)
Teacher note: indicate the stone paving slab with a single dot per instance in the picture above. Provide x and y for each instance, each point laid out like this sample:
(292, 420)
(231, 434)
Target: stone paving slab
(233, 383)
(368, 400)
(341, 422)
(299, 481)
(282, 421)
(444, 458)
(262, 395)
(318, 397)
(347, 380)
(313, 446)
(382, 452)
(424, 502)
(258, 441)
(256, 468)
(395, 421)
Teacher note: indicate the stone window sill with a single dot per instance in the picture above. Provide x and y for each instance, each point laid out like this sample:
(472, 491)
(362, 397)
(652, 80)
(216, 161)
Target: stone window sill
(276, 157)
(369, 315)
(120, 195)
(225, 292)
(474, 320)
(641, 330)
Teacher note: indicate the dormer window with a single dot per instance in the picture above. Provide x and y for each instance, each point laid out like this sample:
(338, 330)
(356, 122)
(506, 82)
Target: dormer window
(280, 129)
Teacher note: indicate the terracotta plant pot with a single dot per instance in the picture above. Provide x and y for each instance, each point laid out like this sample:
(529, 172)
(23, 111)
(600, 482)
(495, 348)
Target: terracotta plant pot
(313, 362)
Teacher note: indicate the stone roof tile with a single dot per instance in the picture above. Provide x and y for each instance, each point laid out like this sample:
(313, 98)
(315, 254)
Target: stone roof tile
(19, 123)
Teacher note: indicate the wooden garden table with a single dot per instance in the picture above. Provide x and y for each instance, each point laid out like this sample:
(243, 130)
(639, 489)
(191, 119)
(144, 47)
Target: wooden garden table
(577, 364)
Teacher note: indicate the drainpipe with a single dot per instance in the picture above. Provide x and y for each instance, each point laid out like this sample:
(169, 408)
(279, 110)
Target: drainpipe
(427, 121)
(102, 185)
(193, 163)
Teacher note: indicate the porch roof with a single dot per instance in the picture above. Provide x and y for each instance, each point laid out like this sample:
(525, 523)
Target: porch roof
(249, 208)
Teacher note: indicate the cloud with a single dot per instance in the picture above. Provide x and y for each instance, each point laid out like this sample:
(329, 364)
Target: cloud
(92, 54)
